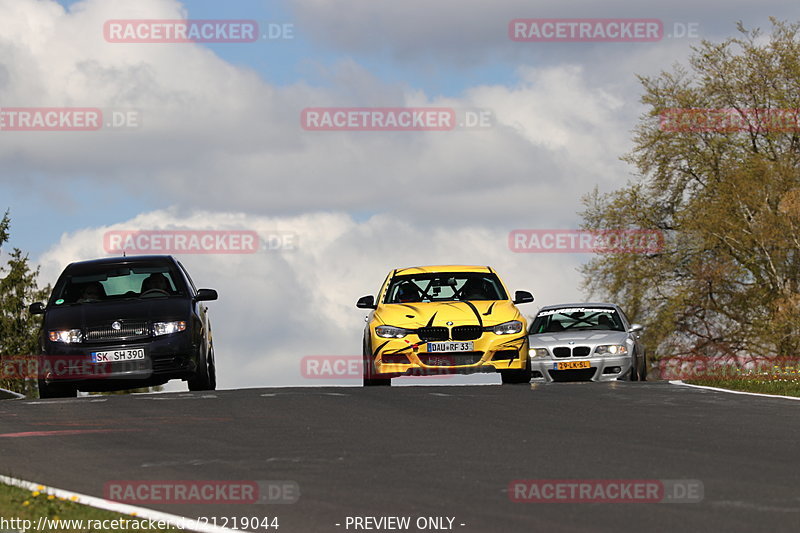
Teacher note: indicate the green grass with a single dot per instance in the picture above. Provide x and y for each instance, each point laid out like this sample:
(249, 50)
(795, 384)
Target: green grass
(32, 505)
(780, 379)
(751, 385)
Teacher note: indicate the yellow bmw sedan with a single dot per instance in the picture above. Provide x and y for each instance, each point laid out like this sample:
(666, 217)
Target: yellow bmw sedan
(437, 320)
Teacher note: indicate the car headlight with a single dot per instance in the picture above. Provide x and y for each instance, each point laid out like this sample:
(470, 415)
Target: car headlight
(506, 328)
(611, 349)
(391, 332)
(67, 336)
(538, 352)
(165, 328)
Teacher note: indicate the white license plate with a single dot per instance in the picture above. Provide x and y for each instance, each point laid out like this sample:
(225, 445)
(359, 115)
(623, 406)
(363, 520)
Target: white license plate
(449, 346)
(117, 355)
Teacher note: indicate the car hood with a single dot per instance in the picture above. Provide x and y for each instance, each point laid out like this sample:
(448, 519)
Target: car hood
(585, 338)
(98, 313)
(477, 312)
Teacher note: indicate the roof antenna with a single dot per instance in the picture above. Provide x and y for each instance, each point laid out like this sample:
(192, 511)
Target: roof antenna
(123, 253)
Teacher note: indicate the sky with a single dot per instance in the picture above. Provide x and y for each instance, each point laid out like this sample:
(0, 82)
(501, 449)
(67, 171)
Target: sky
(214, 140)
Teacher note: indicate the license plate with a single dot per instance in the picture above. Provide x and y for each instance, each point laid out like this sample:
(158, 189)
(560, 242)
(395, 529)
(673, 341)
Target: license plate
(117, 355)
(571, 365)
(466, 346)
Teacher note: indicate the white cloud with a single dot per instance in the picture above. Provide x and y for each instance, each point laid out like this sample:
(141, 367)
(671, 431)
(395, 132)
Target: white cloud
(217, 136)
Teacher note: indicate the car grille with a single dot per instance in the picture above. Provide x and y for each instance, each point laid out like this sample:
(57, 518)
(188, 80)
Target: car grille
(169, 364)
(433, 334)
(562, 351)
(450, 358)
(466, 333)
(505, 355)
(395, 359)
(129, 330)
(578, 374)
(577, 351)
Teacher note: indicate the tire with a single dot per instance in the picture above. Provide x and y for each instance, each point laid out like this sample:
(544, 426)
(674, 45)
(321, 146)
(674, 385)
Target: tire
(369, 372)
(56, 390)
(206, 376)
(513, 377)
(633, 374)
(643, 370)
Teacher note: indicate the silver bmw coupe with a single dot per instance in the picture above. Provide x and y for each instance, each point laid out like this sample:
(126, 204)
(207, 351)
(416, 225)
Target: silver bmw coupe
(585, 342)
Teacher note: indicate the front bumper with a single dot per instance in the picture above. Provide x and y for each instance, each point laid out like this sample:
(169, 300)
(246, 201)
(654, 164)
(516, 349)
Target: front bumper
(606, 368)
(410, 356)
(168, 357)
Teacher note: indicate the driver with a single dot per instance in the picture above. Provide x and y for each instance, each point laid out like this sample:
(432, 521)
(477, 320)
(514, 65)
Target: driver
(92, 292)
(157, 281)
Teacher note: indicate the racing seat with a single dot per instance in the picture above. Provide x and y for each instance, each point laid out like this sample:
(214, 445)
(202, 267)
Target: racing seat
(474, 289)
(605, 323)
(408, 292)
(554, 326)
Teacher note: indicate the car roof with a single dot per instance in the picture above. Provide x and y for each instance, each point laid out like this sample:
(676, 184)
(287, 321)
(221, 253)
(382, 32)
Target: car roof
(442, 268)
(129, 260)
(579, 304)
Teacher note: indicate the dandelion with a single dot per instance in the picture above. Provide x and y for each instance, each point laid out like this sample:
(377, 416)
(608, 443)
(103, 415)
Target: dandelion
(35, 493)
(26, 502)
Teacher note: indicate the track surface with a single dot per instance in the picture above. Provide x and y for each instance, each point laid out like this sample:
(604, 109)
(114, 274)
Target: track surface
(431, 451)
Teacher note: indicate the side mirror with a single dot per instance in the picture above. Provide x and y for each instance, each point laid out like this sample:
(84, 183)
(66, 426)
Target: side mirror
(366, 302)
(205, 295)
(36, 309)
(635, 328)
(523, 297)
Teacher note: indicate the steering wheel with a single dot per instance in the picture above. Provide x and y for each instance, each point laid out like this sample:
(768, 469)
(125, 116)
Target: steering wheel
(150, 291)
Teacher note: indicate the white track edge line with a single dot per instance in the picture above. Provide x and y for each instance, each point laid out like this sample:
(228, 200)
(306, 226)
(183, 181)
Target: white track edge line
(142, 513)
(679, 382)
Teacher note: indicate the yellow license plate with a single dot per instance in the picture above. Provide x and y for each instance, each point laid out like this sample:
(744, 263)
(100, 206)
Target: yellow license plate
(572, 365)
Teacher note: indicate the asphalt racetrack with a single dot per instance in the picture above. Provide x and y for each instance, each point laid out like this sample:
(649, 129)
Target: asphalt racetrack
(443, 456)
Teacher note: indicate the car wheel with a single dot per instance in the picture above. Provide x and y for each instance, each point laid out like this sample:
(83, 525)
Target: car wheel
(369, 372)
(206, 377)
(56, 390)
(633, 375)
(643, 369)
(517, 376)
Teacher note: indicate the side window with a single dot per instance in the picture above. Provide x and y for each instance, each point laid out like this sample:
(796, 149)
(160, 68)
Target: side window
(188, 278)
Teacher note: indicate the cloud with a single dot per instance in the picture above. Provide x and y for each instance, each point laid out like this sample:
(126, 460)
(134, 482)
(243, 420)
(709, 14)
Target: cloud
(220, 137)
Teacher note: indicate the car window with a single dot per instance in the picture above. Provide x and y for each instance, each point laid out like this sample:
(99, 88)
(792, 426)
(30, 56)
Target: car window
(114, 282)
(446, 286)
(577, 318)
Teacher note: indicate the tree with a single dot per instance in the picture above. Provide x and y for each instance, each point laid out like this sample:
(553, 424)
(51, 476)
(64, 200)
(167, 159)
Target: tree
(19, 330)
(717, 157)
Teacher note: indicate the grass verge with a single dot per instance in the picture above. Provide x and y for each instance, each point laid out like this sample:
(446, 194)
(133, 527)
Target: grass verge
(22, 510)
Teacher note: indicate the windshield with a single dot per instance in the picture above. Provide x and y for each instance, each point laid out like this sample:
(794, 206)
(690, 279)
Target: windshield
(115, 282)
(577, 318)
(445, 286)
